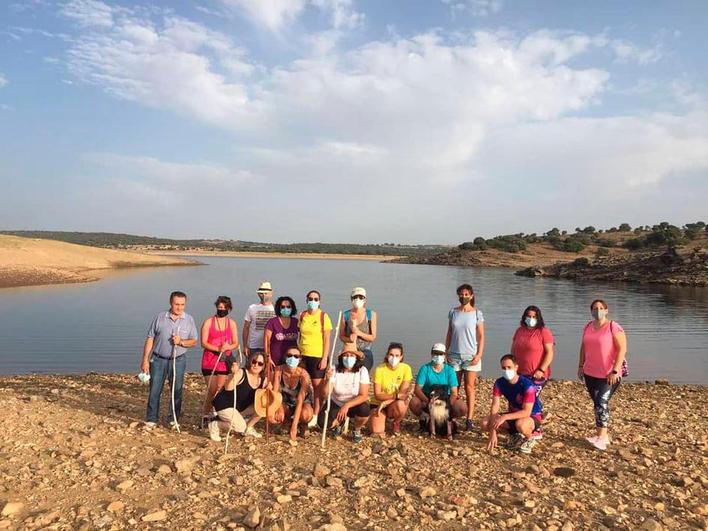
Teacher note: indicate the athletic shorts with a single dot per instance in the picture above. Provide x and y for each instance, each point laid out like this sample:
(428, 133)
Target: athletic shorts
(312, 366)
(463, 362)
(511, 425)
(362, 410)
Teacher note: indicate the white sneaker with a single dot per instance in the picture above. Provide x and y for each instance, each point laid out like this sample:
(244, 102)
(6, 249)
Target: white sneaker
(251, 432)
(313, 422)
(150, 425)
(214, 431)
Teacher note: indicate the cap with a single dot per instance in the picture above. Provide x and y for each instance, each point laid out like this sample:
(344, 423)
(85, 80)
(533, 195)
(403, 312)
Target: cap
(359, 291)
(265, 286)
(438, 347)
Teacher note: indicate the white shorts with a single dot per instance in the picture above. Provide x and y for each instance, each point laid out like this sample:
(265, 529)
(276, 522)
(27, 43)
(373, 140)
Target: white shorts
(463, 362)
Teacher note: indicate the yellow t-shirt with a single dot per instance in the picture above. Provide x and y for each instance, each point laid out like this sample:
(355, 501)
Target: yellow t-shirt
(390, 379)
(311, 343)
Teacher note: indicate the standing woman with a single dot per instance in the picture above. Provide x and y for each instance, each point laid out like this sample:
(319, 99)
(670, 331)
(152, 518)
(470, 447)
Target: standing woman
(315, 335)
(358, 327)
(532, 347)
(281, 331)
(602, 353)
(219, 337)
(465, 345)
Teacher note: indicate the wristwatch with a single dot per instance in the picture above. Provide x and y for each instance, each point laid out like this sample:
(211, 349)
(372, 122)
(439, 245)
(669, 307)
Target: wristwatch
(613, 372)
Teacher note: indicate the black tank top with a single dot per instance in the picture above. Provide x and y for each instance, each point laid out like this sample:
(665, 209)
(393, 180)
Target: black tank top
(245, 395)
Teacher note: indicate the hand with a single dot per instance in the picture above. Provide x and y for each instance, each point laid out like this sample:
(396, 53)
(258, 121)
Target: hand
(176, 340)
(246, 351)
(223, 348)
(612, 379)
(497, 422)
(293, 432)
(581, 375)
(342, 415)
(330, 373)
(352, 338)
(323, 363)
(492, 441)
(538, 374)
(145, 366)
(476, 359)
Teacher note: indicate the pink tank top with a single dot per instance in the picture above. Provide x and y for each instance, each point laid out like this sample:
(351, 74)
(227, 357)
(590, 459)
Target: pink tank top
(217, 337)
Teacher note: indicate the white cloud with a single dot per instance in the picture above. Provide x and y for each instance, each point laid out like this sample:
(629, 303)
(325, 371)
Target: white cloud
(477, 8)
(3, 81)
(276, 15)
(626, 51)
(89, 13)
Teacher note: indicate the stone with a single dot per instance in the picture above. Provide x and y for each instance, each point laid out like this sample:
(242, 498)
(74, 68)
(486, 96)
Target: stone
(284, 498)
(427, 492)
(115, 506)
(447, 515)
(333, 481)
(660, 507)
(252, 518)
(391, 512)
(184, 466)
(163, 470)
(572, 505)
(320, 471)
(12, 508)
(155, 516)
(567, 527)
(564, 471)
(124, 485)
(5, 524)
(651, 525)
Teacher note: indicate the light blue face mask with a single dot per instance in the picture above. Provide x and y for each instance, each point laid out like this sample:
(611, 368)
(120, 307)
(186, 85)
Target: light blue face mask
(286, 312)
(313, 305)
(348, 361)
(438, 360)
(531, 322)
(292, 362)
(508, 374)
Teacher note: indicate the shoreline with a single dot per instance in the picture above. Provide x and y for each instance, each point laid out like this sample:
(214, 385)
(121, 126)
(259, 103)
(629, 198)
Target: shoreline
(278, 255)
(94, 465)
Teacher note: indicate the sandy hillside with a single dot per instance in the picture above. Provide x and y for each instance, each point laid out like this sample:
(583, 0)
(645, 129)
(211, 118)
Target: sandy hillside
(25, 261)
(76, 456)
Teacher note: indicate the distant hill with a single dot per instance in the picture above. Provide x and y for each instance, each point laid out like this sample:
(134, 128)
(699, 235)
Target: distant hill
(131, 242)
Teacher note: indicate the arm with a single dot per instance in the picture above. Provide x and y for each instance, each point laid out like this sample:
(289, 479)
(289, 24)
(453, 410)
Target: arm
(326, 336)
(205, 335)
(343, 336)
(368, 337)
(404, 390)
(521, 414)
(381, 396)
(549, 352)
(493, 417)
(581, 361)
(232, 378)
(234, 335)
(480, 343)
(620, 340)
(147, 350)
(305, 385)
(244, 335)
(448, 338)
(419, 394)
(268, 334)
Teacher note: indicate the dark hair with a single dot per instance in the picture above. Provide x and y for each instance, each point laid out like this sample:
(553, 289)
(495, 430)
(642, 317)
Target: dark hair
(280, 300)
(467, 287)
(176, 294)
(604, 304)
(509, 357)
(395, 344)
(313, 291)
(539, 317)
(226, 301)
(358, 364)
(253, 355)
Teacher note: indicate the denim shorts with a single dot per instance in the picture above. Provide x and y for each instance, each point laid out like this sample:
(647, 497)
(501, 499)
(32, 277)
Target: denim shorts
(463, 362)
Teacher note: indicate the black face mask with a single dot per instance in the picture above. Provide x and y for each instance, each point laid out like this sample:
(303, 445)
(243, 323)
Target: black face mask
(222, 313)
(464, 300)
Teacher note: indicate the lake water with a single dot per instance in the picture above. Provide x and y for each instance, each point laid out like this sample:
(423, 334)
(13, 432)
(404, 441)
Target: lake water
(101, 326)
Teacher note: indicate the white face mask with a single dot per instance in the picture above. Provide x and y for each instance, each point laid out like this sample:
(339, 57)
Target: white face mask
(508, 374)
(358, 303)
(393, 361)
(144, 378)
(438, 359)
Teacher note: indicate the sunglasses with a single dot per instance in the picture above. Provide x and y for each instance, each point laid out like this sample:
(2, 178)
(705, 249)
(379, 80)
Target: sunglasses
(313, 298)
(284, 306)
(294, 356)
(257, 363)
(358, 297)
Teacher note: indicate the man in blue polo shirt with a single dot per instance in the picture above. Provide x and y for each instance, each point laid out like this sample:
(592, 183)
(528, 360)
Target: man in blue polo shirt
(170, 334)
(523, 419)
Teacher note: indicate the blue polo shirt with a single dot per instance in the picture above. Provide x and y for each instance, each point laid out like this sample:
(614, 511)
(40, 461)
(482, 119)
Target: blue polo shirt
(163, 327)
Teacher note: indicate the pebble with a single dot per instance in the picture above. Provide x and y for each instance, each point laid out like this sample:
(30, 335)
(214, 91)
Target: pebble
(124, 485)
(564, 471)
(115, 506)
(252, 518)
(320, 471)
(651, 525)
(155, 516)
(284, 498)
(427, 492)
(12, 508)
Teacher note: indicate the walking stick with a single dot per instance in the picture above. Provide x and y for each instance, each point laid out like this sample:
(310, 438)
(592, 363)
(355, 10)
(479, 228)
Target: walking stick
(329, 384)
(231, 424)
(268, 373)
(174, 382)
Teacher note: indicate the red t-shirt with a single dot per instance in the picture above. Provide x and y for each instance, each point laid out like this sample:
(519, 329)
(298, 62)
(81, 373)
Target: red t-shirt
(527, 348)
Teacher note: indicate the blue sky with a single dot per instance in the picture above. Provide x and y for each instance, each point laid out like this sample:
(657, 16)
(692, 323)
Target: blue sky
(354, 121)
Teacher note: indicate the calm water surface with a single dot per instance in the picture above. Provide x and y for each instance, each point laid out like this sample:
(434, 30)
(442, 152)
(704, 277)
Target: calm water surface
(101, 326)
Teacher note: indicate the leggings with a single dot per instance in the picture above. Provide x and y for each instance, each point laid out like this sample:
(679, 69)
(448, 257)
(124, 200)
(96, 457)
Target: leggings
(601, 392)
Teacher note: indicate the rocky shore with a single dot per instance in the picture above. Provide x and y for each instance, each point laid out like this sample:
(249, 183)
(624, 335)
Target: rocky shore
(76, 456)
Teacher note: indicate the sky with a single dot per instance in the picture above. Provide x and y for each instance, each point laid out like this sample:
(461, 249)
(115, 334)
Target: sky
(408, 121)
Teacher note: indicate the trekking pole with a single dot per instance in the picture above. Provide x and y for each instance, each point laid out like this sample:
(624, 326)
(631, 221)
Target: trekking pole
(268, 373)
(329, 383)
(233, 415)
(174, 382)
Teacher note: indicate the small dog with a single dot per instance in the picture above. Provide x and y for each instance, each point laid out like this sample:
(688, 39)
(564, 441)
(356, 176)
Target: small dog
(438, 418)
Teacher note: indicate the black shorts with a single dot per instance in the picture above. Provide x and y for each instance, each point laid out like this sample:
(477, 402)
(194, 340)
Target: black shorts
(511, 425)
(312, 366)
(362, 410)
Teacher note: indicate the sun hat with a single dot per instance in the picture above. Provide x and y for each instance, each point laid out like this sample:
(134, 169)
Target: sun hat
(264, 287)
(358, 291)
(438, 347)
(267, 399)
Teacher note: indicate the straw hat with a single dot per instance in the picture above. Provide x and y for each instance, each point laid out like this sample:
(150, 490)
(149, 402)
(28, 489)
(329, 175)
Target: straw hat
(265, 287)
(267, 398)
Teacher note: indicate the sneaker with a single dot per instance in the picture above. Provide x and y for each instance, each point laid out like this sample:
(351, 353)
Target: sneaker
(214, 431)
(313, 422)
(251, 432)
(336, 431)
(537, 435)
(595, 439)
(600, 444)
(150, 425)
(356, 436)
(527, 446)
(396, 424)
(469, 425)
(514, 441)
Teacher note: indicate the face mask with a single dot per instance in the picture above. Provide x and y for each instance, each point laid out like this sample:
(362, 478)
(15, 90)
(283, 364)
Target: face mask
(464, 300)
(508, 374)
(292, 362)
(438, 360)
(144, 378)
(222, 313)
(358, 303)
(599, 314)
(348, 361)
(393, 361)
(286, 312)
(313, 305)
(265, 299)
(531, 322)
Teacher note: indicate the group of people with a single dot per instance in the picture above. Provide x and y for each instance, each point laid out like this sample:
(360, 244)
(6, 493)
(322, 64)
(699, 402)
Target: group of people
(287, 378)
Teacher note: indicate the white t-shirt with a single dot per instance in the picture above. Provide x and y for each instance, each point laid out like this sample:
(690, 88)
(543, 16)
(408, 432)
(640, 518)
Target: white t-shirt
(257, 316)
(346, 385)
